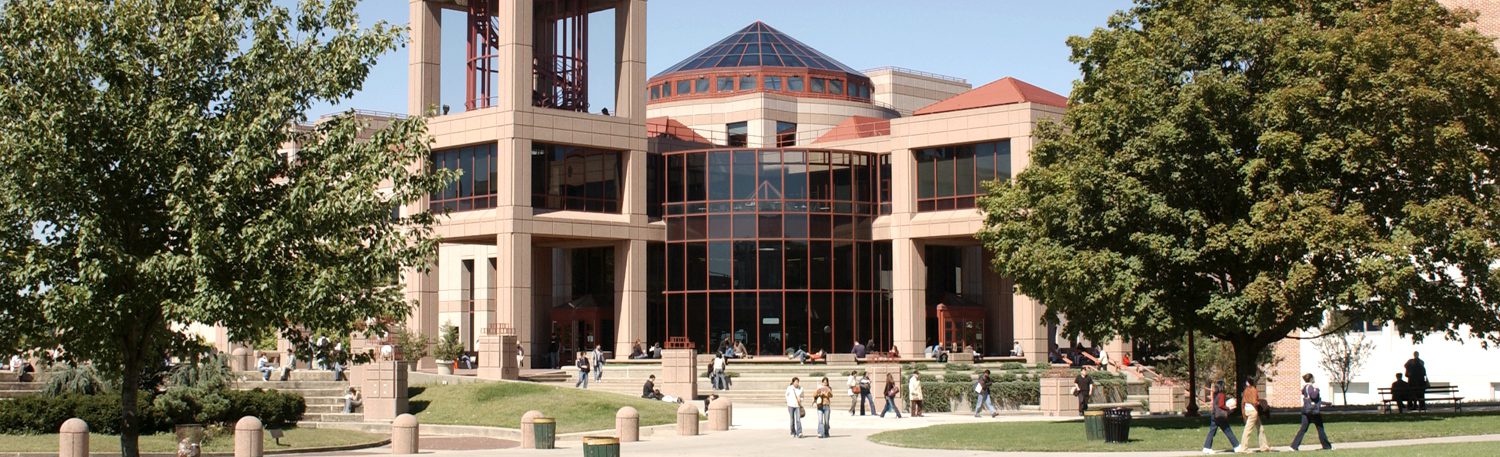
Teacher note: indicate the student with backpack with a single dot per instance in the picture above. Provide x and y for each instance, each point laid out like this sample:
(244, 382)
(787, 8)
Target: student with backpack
(1312, 411)
(583, 371)
(1218, 419)
(982, 388)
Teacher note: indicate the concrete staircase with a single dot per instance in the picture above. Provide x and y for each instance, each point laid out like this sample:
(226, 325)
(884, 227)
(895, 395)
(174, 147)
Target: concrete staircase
(324, 396)
(11, 388)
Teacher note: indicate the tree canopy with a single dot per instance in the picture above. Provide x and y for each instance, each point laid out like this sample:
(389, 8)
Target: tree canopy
(152, 176)
(1242, 167)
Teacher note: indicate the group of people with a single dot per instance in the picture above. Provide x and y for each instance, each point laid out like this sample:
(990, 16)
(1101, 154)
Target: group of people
(324, 357)
(1254, 409)
(1411, 393)
(23, 369)
(637, 351)
(592, 362)
(649, 390)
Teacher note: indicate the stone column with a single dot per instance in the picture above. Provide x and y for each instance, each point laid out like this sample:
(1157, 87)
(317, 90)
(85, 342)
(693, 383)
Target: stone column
(1057, 394)
(679, 373)
(528, 429)
(513, 291)
(515, 40)
(383, 384)
(687, 419)
(630, 55)
(73, 439)
(909, 295)
(404, 435)
(424, 63)
(1029, 329)
(248, 437)
(628, 425)
(497, 357)
(422, 288)
(630, 281)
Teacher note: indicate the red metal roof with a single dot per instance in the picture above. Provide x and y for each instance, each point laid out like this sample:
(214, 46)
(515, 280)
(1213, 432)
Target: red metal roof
(662, 126)
(1006, 91)
(856, 127)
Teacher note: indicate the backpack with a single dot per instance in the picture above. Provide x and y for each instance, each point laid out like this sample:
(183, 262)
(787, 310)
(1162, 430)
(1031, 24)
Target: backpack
(1312, 401)
(1219, 411)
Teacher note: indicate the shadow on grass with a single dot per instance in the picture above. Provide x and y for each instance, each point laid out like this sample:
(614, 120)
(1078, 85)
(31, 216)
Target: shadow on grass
(1292, 417)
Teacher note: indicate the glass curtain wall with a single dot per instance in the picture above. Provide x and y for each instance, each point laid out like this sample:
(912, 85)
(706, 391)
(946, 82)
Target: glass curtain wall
(771, 248)
(950, 177)
(475, 187)
(575, 178)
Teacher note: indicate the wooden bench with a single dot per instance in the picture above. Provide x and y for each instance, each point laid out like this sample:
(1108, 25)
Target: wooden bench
(1431, 394)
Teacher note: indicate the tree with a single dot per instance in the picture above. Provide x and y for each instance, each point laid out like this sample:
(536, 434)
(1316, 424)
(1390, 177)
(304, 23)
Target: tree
(1343, 352)
(1241, 167)
(142, 188)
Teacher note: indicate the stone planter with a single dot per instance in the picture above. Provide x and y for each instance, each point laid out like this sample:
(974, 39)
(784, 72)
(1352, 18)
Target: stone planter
(1168, 399)
(445, 367)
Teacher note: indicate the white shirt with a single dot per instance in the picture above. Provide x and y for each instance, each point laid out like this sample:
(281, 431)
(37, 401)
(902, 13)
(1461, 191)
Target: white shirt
(793, 396)
(718, 364)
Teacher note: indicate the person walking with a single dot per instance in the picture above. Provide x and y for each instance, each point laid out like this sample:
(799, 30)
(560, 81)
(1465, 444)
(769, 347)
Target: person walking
(892, 391)
(598, 356)
(1416, 380)
(823, 400)
(914, 393)
(853, 384)
(1083, 388)
(583, 371)
(982, 388)
(1218, 419)
(794, 406)
(716, 372)
(865, 394)
(1312, 411)
(1250, 405)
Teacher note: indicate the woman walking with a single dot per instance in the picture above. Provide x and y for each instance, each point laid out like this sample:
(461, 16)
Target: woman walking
(914, 393)
(1218, 419)
(853, 384)
(823, 400)
(892, 392)
(1312, 411)
(794, 406)
(1250, 404)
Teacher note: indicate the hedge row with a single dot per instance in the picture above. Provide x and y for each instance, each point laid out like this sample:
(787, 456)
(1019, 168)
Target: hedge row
(38, 414)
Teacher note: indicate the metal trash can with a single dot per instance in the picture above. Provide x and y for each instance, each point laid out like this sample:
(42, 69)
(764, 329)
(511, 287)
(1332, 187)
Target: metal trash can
(1093, 425)
(546, 432)
(1117, 425)
(601, 446)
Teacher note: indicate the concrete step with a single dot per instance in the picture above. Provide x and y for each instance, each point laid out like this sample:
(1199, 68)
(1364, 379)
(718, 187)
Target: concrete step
(297, 375)
(20, 386)
(7, 394)
(287, 385)
(333, 417)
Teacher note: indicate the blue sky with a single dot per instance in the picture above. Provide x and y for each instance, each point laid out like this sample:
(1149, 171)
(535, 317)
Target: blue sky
(978, 40)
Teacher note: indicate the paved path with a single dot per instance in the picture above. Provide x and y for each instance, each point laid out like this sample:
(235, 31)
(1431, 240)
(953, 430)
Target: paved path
(762, 432)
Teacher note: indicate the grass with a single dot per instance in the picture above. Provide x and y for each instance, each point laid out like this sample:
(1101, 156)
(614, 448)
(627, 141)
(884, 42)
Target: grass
(1177, 434)
(295, 438)
(501, 404)
(1424, 450)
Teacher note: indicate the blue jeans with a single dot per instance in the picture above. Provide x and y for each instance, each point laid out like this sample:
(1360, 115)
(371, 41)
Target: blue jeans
(1315, 419)
(864, 397)
(583, 380)
(890, 405)
(823, 414)
(598, 371)
(265, 373)
(1215, 426)
(796, 413)
(983, 400)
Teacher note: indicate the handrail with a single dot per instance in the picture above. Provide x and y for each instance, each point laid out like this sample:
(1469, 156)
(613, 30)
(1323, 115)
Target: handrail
(365, 112)
(918, 73)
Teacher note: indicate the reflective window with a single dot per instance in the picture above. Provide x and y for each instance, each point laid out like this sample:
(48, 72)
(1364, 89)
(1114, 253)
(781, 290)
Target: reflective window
(738, 133)
(702, 86)
(718, 175)
(835, 87)
(726, 84)
(655, 92)
(476, 185)
(575, 178)
(772, 83)
(818, 84)
(951, 177)
(794, 83)
(786, 134)
(747, 82)
(684, 87)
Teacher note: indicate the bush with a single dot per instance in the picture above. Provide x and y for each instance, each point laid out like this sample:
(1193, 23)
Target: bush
(449, 348)
(957, 377)
(1043, 366)
(1012, 366)
(39, 414)
(1012, 395)
(959, 367)
(928, 378)
(274, 408)
(208, 372)
(67, 378)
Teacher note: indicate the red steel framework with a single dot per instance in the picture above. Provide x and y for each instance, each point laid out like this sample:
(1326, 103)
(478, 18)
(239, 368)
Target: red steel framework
(560, 63)
(483, 55)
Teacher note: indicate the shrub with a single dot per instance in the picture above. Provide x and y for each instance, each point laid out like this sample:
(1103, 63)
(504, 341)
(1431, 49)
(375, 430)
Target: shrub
(67, 378)
(1012, 366)
(274, 408)
(817, 374)
(927, 378)
(957, 377)
(39, 414)
(209, 372)
(449, 348)
(1012, 395)
(1043, 365)
(1006, 376)
(959, 367)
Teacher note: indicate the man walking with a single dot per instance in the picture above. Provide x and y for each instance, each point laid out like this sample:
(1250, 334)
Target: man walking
(1416, 380)
(583, 371)
(1083, 387)
(1312, 411)
(982, 388)
(598, 357)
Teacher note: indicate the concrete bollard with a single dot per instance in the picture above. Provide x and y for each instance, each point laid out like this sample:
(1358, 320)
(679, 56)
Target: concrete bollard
(248, 437)
(718, 415)
(687, 420)
(73, 439)
(404, 431)
(528, 429)
(628, 425)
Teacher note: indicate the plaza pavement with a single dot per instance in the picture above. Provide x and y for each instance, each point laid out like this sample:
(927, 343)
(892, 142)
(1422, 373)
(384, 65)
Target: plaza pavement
(763, 432)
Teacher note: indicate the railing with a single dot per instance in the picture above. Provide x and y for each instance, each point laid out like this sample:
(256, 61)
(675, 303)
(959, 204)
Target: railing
(364, 112)
(800, 139)
(918, 73)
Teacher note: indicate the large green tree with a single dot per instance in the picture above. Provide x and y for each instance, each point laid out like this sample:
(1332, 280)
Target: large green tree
(1242, 167)
(144, 187)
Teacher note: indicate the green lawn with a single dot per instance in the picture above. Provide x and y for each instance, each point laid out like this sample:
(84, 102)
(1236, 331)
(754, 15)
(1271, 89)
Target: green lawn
(296, 438)
(501, 404)
(1169, 434)
(1425, 450)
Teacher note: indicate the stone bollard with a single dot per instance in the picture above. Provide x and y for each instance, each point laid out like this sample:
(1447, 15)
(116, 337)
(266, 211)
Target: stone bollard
(404, 431)
(73, 439)
(687, 420)
(718, 415)
(628, 425)
(248, 437)
(728, 411)
(528, 429)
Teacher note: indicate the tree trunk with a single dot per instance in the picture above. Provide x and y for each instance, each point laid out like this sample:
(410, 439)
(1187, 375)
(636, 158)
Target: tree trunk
(130, 422)
(1246, 351)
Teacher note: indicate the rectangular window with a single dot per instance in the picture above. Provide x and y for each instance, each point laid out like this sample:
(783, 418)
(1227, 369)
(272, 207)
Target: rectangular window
(655, 92)
(952, 177)
(747, 83)
(818, 84)
(786, 134)
(702, 86)
(575, 178)
(473, 189)
(666, 89)
(773, 83)
(835, 87)
(718, 175)
(739, 133)
(726, 84)
(684, 87)
(794, 83)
